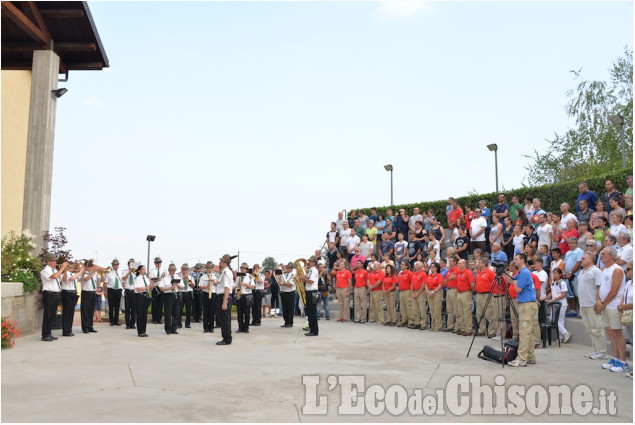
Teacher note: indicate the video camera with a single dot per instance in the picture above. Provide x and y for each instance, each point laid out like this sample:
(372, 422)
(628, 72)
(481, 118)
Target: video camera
(500, 267)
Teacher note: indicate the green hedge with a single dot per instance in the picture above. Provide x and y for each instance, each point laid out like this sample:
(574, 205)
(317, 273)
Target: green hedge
(551, 196)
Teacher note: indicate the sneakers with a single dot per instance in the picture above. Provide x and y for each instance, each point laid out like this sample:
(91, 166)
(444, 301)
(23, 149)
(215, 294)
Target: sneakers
(571, 314)
(610, 363)
(598, 356)
(531, 361)
(566, 337)
(620, 367)
(496, 338)
(517, 363)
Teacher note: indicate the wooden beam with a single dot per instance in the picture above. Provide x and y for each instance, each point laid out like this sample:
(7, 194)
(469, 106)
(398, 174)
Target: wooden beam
(21, 47)
(24, 23)
(62, 13)
(85, 65)
(76, 47)
(14, 66)
(38, 18)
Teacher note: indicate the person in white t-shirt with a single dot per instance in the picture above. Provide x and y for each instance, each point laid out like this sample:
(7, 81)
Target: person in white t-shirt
(545, 232)
(559, 294)
(542, 276)
(353, 243)
(518, 240)
(566, 216)
(589, 281)
(345, 235)
(477, 231)
(625, 250)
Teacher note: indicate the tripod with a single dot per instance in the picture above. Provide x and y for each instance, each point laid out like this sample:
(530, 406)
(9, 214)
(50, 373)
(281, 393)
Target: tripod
(499, 286)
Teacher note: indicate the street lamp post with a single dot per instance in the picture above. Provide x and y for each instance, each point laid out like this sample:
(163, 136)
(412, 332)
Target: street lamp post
(149, 238)
(619, 120)
(388, 167)
(494, 147)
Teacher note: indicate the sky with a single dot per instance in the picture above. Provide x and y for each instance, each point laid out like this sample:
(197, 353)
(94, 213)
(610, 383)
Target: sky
(222, 127)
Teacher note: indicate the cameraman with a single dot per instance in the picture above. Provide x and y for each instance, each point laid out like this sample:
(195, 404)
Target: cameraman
(527, 312)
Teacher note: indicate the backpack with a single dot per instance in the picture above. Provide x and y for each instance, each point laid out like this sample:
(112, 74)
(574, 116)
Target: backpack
(492, 355)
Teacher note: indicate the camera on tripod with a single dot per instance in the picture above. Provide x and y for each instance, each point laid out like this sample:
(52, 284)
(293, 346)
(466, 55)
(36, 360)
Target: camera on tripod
(500, 267)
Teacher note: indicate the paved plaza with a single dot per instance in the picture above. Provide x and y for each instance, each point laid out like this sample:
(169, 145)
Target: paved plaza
(115, 376)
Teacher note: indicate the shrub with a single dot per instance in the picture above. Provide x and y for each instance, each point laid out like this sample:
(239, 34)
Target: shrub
(18, 263)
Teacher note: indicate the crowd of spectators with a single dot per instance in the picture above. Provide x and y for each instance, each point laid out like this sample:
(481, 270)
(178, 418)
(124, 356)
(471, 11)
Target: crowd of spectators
(412, 264)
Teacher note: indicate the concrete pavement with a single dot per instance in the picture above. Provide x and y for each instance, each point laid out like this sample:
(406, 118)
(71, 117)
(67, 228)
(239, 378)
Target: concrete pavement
(115, 376)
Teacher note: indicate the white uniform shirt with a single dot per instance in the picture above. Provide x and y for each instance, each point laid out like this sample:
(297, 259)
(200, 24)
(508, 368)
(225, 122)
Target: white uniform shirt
(140, 282)
(206, 279)
(260, 285)
(92, 283)
(185, 280)
(313, 275)
(353, 241)
(48, 284)
(128, 283)
(244, 290)
(166, 282)
(226, 280)
(113, 279)
(588, 282)
(154, 272)
(557, 289)
(288, 278)
(70, 284)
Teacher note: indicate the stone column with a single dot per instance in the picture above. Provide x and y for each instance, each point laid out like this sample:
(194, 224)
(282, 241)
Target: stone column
(39, 154)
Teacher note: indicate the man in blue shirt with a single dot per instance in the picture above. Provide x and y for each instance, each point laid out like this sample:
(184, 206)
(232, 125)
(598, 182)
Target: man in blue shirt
(498, 256)
(588, 195)
(527, 312)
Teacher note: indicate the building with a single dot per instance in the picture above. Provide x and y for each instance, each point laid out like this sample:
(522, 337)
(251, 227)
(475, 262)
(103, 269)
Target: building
(42, 42)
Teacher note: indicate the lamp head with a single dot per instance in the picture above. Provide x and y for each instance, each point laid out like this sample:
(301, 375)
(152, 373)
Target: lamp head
(617, 119)
(388, 167)
(150, 238)
(492, 147)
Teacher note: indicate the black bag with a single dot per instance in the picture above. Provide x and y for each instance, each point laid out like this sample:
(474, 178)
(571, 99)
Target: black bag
(492, 355)
(315, 297)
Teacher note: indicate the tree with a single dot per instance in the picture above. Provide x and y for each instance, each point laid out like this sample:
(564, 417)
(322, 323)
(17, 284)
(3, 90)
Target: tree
(593, 146)
(269, 263)
(56, 243)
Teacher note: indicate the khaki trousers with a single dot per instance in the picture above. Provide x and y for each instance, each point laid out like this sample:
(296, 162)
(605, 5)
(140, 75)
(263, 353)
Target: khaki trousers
(514, 318)
(342, 301)
(423, 308)
(464, 311)
(595, 328)
(391, 312)
(451, 309)
(435, 301)
(405, 307)
(481, 298)
(414, 302)
(376, 308)
(498, 325)
(361, 305)
(527, 316)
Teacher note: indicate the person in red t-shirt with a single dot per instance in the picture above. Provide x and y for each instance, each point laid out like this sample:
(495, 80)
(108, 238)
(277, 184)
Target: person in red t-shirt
(464, 287)
(376, 280)
(484, 279)
(419, 298)
(454, 215)
(343, 279)
(389, 290)
(434, 292)
(451, 324)
(405, 298)
(468, 217)
(361, 283)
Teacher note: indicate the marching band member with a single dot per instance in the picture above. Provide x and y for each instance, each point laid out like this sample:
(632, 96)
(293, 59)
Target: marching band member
(208, 302)
(157, 296)
(188, 291)
(287, 294)
(114, 285)
(69, 297)
(168, 289)
(259, 290)
(142, 288)
(128, 284)
(89, 297)
(312, 296)
(197, 307)
(51, 288)
(246, 300)
(223, 307)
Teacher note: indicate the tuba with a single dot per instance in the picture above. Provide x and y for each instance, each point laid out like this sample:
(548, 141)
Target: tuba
(300, 270)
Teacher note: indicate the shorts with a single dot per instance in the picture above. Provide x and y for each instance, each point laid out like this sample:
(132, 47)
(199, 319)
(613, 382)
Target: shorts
(572, 288)
(266, 300)
(611, 318)
(99, 304)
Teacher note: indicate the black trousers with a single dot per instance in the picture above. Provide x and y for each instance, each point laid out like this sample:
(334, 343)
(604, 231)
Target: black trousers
(87, 309)
(157, 306)
(187, 301)
(178, 310)
(69, 301)
(275, 301)
(130, 308)
(50, 300)
(225, 318)
(311, 311)
(208, 305)
(114, 304)
(288, 309)
(197, 307)
(243, 313)
(168, 304)
(141, 308)
(257, 313)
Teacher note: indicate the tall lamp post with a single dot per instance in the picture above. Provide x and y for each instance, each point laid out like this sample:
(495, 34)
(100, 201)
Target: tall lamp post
(149, 238)
(494, 147)
(388, 167)
(619, 120)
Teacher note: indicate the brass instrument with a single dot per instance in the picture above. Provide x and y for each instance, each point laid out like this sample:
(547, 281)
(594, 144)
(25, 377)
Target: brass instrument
(300, 266)
(240, 276)
(211, 275)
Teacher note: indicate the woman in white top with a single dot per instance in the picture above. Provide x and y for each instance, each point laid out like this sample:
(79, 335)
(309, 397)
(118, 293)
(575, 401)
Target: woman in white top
(559, 294)
(143, 288)
(616, 224)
